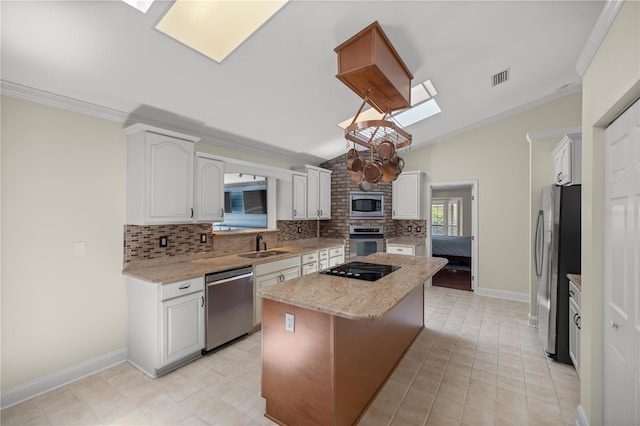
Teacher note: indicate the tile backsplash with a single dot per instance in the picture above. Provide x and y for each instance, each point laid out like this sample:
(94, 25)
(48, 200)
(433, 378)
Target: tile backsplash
(142, 242)
(289, 229)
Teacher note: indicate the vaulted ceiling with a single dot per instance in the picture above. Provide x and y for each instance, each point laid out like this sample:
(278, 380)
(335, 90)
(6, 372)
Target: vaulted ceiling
(278, 92)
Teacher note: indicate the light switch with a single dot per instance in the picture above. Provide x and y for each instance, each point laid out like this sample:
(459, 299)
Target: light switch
(79, 248)
(290, 322)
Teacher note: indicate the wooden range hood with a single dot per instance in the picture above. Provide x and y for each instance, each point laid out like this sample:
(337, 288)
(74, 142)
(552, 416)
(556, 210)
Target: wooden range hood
(369, 65)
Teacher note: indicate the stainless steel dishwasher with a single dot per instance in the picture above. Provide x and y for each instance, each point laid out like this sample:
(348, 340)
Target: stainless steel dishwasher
(229, 302)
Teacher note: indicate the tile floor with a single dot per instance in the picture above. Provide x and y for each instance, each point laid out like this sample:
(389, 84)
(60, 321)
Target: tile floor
(476, 363)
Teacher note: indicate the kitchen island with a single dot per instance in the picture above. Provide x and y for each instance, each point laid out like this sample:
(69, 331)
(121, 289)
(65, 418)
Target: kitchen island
(348, 335)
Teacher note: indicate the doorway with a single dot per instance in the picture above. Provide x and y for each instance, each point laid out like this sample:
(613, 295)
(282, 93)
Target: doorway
(452, 232)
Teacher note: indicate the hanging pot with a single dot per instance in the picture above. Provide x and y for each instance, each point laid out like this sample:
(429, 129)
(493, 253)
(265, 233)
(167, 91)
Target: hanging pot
(357, 164)
(366, 186)
(390, 172)
(373, 172)
(356, 177)
(394, 158)
(386, 149)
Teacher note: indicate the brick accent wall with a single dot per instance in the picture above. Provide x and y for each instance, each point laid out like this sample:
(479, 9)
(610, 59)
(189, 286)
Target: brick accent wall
(341, 186)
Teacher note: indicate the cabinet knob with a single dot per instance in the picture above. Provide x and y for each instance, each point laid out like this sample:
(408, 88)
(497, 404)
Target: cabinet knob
(221, 212)
(202, 301)
(295, 212)
(614, 325)
(191, 212)
(559, 178)
(578, 317)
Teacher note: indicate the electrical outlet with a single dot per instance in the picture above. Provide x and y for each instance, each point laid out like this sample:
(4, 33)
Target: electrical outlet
(203, 238)
(409, 228)
(164, 240)
(290, 322)
(299, 229)
(418, 228)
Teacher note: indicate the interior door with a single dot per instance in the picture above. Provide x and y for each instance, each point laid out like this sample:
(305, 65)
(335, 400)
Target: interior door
(622, 271)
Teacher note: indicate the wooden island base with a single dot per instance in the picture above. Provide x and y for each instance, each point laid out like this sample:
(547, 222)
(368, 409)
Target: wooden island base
(330, 368)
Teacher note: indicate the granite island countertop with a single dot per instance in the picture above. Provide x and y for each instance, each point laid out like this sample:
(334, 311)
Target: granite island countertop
(178, 271)
(357, 299)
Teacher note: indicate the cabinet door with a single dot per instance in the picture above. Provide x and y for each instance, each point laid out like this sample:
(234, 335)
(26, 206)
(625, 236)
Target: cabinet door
(313, 185)
(299, 197)
(268, 280)
(182, 327)
(209, 193)
(324, 195)
(407, 196)
(169, 179)
(574, 314)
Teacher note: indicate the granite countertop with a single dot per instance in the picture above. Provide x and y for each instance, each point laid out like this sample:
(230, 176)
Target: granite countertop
(178, 271)
(406, 241)
(357, 299)
(576, 279)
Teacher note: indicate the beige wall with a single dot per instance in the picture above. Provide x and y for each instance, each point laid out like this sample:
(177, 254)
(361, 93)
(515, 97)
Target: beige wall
(465, 194)
(497, 155)
(611, 82)
(63, 180)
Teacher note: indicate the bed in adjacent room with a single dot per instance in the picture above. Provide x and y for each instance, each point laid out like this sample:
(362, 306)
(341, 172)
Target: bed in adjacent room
(456, 273)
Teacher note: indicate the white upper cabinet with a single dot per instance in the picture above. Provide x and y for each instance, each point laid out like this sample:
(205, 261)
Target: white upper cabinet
(318, 193)
(567, 161)
(292, 197)
(159, 176)
(209, 189)
(407, 196)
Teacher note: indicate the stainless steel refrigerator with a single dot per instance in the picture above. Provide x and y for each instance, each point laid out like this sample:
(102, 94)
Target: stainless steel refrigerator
(557, 253)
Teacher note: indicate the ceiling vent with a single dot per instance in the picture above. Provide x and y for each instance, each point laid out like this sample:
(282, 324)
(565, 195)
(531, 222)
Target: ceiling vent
(500, 77)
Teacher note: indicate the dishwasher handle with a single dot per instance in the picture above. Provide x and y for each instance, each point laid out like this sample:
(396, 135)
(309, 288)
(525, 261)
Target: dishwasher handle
(226, 280)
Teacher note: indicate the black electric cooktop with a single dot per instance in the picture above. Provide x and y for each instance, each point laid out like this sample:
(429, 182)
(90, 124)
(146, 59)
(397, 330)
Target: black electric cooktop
(361, 271)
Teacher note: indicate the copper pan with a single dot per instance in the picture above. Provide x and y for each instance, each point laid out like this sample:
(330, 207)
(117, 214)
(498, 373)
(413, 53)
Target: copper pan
(373, 172)
(386, 149)
(390, 172)
(356, 177)
(394, 158)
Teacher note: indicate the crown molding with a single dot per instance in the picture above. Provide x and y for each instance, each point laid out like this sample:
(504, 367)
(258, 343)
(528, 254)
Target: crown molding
(553, 134)
(58, 101)
(207, 135)
(604, 22)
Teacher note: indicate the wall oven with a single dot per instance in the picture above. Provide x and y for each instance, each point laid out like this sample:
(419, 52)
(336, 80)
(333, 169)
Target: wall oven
(365, 240)
(366, 205)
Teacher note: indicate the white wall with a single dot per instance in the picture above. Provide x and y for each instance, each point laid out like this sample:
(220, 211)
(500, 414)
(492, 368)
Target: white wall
(63, 180)
(611, 81)
(497, 155)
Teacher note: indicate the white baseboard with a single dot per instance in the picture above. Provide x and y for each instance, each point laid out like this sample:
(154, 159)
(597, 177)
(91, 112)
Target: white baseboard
(533, 321)
(502, 294)
(581, 419)
(60, 378)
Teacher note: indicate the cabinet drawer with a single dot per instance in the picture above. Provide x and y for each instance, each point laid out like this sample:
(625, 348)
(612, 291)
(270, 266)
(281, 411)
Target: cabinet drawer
(338, 251)
(309, 257)
(309, 268)
(277, 265)
(323, 254)
(181, 288)
(401, 249)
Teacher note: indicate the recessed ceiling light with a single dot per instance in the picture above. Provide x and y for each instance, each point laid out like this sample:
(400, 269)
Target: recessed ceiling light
(141, 5)
(216, 28)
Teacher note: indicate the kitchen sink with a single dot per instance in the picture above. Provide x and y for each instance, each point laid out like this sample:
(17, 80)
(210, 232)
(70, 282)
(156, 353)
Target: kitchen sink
(262, 253)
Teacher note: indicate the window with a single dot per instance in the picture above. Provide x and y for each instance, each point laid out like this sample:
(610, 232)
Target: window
(445, 216)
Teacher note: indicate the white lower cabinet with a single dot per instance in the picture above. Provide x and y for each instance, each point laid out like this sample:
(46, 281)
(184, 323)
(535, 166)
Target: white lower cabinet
(165, 324)
(323, 259)
(404, 249)
(574, 325)
(336, 256)
(309, 263)
(268, 274)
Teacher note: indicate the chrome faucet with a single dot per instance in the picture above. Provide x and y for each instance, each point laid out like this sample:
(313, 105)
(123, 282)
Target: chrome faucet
(258, 238)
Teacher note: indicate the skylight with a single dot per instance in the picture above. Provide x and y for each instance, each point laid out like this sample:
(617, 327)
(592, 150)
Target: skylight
(142, 5)
(216, 28)
(422, 106)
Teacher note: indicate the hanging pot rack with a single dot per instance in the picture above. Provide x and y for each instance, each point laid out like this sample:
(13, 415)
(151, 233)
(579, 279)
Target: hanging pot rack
(371, 133)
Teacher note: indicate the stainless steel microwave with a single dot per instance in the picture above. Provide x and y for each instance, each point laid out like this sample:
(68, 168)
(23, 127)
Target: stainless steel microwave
(366, 204)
